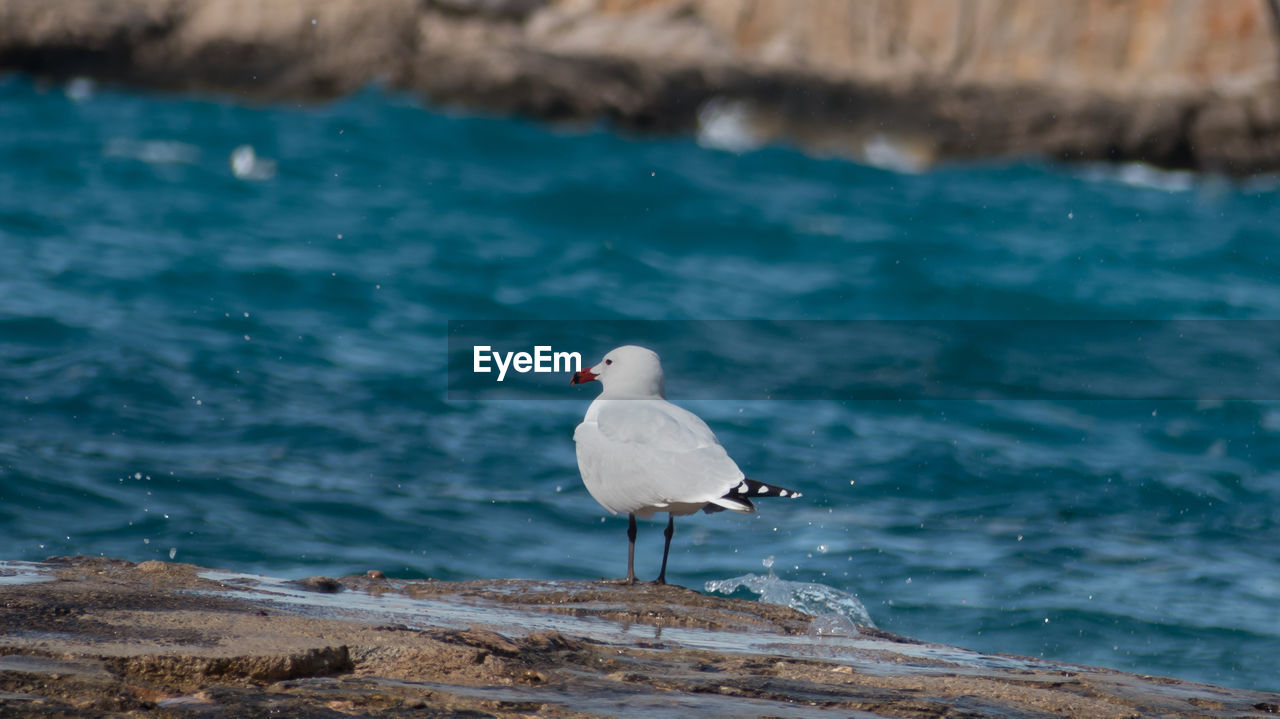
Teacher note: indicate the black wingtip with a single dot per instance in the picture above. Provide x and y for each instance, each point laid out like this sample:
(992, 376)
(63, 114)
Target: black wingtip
(750, 488)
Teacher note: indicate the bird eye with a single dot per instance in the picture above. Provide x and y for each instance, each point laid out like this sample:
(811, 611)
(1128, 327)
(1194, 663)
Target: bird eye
(608, 361)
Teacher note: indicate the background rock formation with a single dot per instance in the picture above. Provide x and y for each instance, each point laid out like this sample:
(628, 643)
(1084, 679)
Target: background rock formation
(1180, 83)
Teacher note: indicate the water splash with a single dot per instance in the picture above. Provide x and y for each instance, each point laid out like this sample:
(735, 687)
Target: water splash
(79, 89)
(246, 164)
(829, 605)
(725, 124)
(896, 154)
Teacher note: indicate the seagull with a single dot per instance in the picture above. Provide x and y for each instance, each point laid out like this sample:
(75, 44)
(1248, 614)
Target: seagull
(640, 454)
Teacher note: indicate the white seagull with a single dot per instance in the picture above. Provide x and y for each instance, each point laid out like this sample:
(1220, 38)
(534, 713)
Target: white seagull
(640, 454)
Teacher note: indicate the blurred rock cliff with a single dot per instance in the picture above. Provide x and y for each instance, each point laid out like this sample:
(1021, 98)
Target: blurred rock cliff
(1177, 83)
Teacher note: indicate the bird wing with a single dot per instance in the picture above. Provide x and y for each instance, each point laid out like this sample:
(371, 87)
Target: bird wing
(640, 455)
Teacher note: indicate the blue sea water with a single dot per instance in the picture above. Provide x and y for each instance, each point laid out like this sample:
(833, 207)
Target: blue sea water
(244, 365)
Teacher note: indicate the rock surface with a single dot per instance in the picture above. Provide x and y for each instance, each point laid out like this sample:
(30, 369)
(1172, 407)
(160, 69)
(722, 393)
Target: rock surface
(1178, 83)
(92, 637)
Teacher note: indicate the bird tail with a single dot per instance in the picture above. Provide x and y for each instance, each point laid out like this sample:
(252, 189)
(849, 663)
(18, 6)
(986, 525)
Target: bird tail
(739, 498)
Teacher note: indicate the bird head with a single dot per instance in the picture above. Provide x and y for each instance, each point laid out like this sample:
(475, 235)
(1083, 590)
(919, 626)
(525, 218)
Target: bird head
(626, 372)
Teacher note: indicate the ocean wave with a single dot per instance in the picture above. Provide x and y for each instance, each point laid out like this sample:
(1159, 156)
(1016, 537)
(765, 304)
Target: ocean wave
(153, 152)
(1142, 175)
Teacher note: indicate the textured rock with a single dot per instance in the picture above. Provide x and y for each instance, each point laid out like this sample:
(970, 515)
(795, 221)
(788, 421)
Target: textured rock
(101, 637)
(1182, 83)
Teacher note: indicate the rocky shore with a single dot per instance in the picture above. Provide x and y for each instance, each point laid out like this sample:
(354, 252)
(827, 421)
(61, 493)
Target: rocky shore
(92, 637)
(1178, 83)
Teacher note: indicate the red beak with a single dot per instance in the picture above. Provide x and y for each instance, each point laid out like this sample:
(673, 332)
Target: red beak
(583, 376)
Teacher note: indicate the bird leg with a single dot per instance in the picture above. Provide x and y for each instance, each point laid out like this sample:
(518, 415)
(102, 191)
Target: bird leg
(631, 550)
(668, 532)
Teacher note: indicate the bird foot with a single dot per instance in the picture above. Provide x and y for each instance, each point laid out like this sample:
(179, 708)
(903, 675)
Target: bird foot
(625, 581)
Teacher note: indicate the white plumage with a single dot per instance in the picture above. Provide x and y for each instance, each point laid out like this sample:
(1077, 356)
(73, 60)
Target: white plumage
(640, 454)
